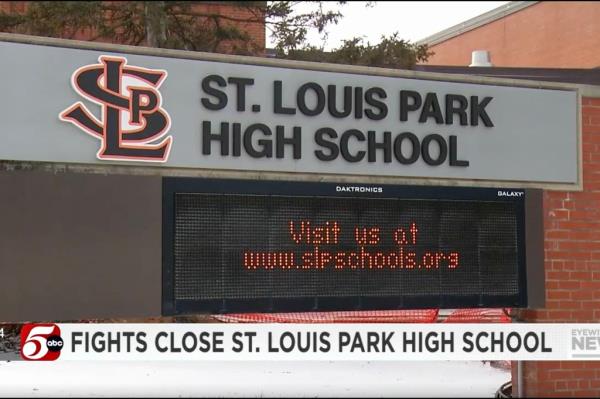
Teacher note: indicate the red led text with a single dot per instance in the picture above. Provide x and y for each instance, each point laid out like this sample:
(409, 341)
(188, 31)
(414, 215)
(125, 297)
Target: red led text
(400, 253)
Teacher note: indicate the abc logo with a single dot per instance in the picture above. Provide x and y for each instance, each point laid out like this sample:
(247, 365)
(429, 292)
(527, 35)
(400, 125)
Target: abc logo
(41, 342)
(54, 343)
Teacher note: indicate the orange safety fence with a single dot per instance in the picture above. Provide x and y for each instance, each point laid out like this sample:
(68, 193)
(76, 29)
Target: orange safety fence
(478, 316)
(379, 316)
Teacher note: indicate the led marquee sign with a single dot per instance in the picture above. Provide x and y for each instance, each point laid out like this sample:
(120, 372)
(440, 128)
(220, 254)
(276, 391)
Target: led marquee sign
(235, 246)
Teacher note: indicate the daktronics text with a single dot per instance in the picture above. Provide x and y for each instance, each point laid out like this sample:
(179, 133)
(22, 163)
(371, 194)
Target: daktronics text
(358, 189)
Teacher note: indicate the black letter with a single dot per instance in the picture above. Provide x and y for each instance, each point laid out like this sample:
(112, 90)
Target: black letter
(301, 99)
(331, 101)
(267, 145)
(425, 149)
(478, 111)
(358, 102)
(295, 141)
(380, 105)
(241, 84)
(545, 349)
(238, 345)
(323, 142)
(137, 108)
(398, 148)
(461, 110)
(220, 95)
(158, 336)
(325, 344)
(74, 341)
(222, 137)
(142, 345)
(386, 146)
(431, 107)
(237, 140)
(405, 106)
(468, 343)
(344, 145)
(453, 153)
(280, 109)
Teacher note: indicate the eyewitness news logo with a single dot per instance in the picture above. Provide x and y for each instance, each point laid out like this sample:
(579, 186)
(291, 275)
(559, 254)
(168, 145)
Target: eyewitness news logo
(585, 343)
(41, 342)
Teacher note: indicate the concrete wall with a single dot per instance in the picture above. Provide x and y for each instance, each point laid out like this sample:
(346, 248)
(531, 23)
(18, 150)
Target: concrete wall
(77, 246)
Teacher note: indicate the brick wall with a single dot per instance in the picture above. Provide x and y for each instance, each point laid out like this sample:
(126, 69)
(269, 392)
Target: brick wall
(572, 262)
(256, 31)
(239, 15)
(548, 34)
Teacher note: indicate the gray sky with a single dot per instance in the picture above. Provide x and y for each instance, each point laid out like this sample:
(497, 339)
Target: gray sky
(413, 20)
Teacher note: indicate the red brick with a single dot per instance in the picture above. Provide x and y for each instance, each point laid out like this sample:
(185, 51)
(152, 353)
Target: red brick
(593, 265)
(586, 128)
(584, 384)
(557, 235)
(582, 295)
(582, 316)
(591, 285)
(568, 255)
(550, 393)
(557, 275)
(553, 34)
(585, 214)
(579, 246)
(559, 385)
(572, 384)
(581, 276)
(566, 285)
(558, 315)
(558, 295)
(591, 101)
(587, 393)
(559, 214)
(546, 365)
(582, 235)
(573, 305)
(595, 383)
(585, 374)
(591, 111)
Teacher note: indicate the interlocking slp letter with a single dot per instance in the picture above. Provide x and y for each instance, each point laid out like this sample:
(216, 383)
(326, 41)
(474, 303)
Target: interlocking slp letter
(133, 124)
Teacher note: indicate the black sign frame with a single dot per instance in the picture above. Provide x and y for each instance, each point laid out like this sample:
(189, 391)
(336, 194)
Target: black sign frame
(174, 185)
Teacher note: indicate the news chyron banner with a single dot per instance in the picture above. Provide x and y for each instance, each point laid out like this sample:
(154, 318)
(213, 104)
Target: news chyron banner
(324, 342)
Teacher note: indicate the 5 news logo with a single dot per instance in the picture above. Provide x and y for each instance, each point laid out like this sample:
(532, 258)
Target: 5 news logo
(40, 342)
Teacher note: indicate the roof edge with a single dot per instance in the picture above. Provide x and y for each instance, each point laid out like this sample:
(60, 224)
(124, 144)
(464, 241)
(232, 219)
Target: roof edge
(591, 91)
(473, 23)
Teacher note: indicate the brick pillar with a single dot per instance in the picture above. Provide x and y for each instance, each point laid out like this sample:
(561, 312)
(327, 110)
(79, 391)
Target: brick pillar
(572, 262)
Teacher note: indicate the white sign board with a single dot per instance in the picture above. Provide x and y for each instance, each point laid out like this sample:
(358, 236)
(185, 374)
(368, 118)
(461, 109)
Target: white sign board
(70, 105)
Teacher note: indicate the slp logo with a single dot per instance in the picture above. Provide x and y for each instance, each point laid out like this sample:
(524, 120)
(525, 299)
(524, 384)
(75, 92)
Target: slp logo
(133, 124)
(40, 342)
